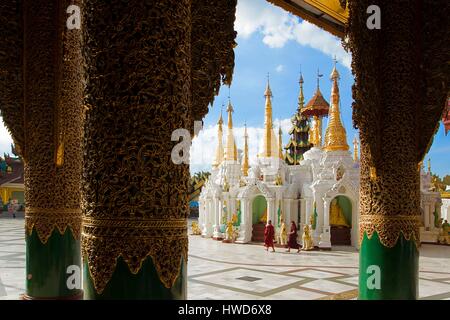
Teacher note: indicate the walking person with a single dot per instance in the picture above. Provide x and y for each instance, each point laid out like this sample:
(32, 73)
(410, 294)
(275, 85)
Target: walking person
(269, 235)
(292, 243)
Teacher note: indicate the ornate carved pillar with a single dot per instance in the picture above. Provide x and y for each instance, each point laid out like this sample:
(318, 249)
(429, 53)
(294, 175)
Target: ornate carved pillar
(134, 195)
(42, 106)
(401, 84)
(140, 66)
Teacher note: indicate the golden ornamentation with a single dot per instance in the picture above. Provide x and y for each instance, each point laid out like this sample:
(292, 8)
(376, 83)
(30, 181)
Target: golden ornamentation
(389, 228)
(229, 232)
(195, 228)
(282, 237)
(169, 74)
(165, 241)
(230, 147)
(335, 135)
(44, 221)
(329, 7)
(52, 68)
(307, 239)
(219, 150)
(373, 173)
(337, 217)
(60, 155)
(278, 180)
(270, 142)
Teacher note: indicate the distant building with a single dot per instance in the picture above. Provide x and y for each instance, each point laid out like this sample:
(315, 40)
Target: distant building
(11, 181)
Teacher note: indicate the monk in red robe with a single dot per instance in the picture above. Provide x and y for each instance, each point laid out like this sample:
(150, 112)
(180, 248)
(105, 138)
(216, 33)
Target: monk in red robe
(269, 235)
(292, 243)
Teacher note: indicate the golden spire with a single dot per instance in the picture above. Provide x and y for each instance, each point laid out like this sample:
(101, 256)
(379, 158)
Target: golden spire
(219, 151)
(230, 148)
(355, 149)
(245, 160)
(335, 136)
(301, 97)
(269, 146)
(280, 151)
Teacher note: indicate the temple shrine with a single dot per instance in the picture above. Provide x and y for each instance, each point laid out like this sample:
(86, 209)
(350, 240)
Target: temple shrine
(315, 182)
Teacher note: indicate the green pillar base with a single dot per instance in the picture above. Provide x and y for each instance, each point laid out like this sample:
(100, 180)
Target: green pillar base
(398, 270)
(145, 285)
(46, 266)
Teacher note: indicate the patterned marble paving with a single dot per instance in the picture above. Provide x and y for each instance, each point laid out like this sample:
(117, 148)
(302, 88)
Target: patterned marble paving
(247, 272)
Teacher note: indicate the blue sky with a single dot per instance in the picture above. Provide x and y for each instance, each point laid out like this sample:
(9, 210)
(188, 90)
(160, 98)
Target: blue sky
(272, 41)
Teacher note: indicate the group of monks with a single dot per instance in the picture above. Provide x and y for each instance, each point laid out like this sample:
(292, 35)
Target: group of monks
(269, 236)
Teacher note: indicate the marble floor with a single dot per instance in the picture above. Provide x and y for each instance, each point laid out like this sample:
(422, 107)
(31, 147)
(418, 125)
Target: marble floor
(246, 271)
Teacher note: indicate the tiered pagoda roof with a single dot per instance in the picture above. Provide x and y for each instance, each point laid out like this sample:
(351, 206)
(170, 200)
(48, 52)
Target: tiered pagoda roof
(317, 106)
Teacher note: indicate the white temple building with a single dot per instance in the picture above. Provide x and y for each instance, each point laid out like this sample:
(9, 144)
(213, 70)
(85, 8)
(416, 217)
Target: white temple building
(322, 190)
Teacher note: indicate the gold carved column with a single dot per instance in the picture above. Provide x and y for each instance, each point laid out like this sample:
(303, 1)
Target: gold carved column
(41, 101)
(401, 83)
(141, 73)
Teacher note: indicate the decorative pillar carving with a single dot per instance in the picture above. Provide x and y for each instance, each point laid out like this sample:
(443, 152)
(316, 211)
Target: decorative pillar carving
(142, 70)
(41, 104)
(396, 125)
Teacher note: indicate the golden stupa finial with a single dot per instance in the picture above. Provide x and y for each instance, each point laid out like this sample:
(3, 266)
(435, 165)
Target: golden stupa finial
(219, 151)
(335, 136)
(280, 142)
(230, 111)
(301, 97)
(355, 149)
(220, 122)
(270, 141)
(245, 159)
(268, 92)
(230, 147)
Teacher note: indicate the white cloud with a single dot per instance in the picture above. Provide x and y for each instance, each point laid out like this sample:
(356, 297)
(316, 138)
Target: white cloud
(278, 27)
(203, 148)
(279, 68)
(5, 139)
